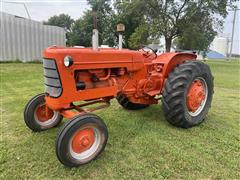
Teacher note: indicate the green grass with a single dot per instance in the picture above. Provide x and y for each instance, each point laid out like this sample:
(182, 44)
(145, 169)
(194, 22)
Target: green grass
(142, 145)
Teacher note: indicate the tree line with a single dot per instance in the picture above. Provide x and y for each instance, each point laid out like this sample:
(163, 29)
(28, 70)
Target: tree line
(188, 24)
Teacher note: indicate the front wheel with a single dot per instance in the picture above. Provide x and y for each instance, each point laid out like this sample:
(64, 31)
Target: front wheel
(81, 140)
(38, 117)
(187, 94)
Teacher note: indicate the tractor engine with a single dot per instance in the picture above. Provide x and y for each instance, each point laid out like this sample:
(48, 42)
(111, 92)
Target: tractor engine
(142, 91)
(96, 78)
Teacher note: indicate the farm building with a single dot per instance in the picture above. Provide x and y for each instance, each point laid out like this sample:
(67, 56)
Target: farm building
(220, 45)
(24, 39)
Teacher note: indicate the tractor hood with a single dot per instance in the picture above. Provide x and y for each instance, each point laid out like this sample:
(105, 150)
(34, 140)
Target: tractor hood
(88, 54)
(102, 58)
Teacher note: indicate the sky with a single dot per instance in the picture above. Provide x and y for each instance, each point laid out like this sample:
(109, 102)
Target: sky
(41, 10)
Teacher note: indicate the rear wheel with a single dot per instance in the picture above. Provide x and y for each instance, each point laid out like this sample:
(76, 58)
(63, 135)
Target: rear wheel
(81, 140)
(187, 94)
(38, 117)
(124, 102)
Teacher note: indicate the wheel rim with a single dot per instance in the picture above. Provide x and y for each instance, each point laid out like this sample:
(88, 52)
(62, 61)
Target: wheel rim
(197, 96)
(42, 117)
(84, 143)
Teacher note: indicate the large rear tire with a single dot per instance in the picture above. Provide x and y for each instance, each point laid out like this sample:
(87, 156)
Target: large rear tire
(187, 94)
(125, 103)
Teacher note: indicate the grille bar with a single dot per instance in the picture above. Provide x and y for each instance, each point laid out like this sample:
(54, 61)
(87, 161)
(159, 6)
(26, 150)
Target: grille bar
(51, 73)
(52, 81)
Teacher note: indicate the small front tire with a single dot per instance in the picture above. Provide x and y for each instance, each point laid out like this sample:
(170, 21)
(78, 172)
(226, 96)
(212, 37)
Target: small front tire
(81, 140)
(35, 115)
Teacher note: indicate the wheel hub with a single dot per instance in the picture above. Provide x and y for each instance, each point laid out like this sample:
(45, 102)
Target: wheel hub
(44, 113)
(83, 140)
(196, 95)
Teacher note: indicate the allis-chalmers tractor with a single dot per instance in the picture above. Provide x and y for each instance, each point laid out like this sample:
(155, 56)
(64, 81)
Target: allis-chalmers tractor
(79, 81)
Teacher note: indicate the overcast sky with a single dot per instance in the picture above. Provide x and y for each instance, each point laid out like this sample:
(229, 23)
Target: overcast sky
(41, 10)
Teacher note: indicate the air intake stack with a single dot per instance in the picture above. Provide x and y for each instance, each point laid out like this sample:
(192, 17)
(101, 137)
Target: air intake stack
(120, 30)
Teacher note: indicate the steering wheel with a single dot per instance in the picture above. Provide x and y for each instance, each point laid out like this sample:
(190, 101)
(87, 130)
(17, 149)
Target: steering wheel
(153, 51)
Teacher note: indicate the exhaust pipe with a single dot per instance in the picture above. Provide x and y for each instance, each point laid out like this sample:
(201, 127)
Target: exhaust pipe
(95, 40)
(120, 43)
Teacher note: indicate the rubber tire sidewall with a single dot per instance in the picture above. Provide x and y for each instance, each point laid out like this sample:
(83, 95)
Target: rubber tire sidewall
(174, 99)
(195, 120)
(68, 130)
(29, 114)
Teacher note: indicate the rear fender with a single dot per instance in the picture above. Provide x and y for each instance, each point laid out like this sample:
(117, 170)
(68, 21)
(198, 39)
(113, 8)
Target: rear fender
(171, 60)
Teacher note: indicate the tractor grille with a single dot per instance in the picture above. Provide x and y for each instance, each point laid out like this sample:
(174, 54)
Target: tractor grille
(51, 78)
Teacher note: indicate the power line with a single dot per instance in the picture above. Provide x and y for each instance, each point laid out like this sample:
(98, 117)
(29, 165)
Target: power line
(22, 3)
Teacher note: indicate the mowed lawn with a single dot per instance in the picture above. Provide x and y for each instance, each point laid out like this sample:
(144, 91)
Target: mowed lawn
(141, 145)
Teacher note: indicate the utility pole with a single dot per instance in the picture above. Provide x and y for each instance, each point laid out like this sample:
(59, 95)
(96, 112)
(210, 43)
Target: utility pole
(227, 48)
(233, 30)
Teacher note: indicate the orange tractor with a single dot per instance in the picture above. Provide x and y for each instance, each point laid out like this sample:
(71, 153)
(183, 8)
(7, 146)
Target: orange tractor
(79, 81)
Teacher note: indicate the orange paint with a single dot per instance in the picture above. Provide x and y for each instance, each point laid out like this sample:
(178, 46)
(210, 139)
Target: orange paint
(83, 140)
(99, 74)
(196, 95)
(44, 113)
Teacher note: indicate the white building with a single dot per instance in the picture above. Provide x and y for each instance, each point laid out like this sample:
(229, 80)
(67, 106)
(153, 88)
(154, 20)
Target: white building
(24, 39)
(220, 45)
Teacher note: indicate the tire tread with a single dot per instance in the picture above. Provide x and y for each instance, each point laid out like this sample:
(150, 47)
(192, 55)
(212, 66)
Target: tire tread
(174, 89)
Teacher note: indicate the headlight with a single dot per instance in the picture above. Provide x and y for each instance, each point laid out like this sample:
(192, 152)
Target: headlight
(68, 61)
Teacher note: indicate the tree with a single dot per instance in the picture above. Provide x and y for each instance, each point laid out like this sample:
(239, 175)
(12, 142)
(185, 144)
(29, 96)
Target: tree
(130, 13)
(139, 38)
(82, 29)
(199, 36)
(62, 20)
(81, 34)
(104, 17)
(171, 18)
